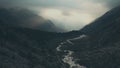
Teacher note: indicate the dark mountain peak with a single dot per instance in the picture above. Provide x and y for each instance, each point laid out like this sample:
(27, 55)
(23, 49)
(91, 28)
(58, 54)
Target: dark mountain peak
(108, 20)
(26, 18)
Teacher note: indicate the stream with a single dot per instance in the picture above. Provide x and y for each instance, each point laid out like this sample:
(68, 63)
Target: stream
(68, 59)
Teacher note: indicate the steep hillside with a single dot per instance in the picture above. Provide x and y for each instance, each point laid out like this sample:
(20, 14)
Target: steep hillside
(100, 48)
(27, 48)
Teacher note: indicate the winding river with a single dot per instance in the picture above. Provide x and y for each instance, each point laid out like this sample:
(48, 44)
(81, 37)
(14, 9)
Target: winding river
(68, 57)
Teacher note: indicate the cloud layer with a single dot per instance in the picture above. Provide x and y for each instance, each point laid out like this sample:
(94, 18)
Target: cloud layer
(67, 14)
(26, 18)
(56, 3)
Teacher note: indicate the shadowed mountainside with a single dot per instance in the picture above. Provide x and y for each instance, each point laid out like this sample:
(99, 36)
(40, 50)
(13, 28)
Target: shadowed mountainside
(26, 18)
(27, 48)
(101, 46)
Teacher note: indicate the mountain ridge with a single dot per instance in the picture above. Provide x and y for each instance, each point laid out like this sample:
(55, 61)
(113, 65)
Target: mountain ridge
(101, 47)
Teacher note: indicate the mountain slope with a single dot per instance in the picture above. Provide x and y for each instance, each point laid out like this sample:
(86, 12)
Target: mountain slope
(109, 19)
(101, 46)
(26, 18)
(27, 48)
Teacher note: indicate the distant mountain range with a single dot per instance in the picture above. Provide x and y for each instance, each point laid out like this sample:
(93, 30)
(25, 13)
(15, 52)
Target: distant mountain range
(27, 18)
(97, 45)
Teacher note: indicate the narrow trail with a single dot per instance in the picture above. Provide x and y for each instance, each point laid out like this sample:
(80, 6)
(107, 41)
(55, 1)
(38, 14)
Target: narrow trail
(68, 59)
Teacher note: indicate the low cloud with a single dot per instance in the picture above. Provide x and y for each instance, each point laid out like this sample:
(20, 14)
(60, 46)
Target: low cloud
(26, 18)
(67, 14)
(55, 3)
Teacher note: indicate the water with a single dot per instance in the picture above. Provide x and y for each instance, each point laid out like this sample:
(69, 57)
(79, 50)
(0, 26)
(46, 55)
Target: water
(68, 57)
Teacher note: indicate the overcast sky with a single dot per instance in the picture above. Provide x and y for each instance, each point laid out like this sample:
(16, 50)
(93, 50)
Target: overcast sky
(68, 14)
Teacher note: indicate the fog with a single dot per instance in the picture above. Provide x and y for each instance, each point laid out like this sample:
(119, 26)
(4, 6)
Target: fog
(67, 14)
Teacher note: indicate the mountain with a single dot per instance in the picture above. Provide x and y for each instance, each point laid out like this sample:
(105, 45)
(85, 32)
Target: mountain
(26, 18)
(30, 48)
(100, 46)
(109, 19)
(97, 45)
(26, 48)
(49, 26)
